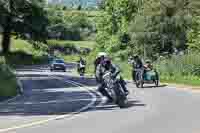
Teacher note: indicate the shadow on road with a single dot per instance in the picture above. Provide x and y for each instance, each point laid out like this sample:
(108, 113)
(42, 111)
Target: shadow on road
(112, 106)
(153, 86)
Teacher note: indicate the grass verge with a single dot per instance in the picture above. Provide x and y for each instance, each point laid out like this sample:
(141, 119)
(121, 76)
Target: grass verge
(23, 53)
(187, 80)
(80, 44)
(8, 81)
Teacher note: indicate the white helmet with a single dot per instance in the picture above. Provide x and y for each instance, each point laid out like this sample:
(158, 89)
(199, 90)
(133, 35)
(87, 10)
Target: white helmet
(100, 54)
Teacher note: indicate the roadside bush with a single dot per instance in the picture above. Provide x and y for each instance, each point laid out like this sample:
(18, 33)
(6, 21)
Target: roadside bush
(180, 65)
(68, 48)
(22, 58)
(8, 82)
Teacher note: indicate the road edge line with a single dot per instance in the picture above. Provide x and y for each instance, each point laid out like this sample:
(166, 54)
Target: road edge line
(98, 93)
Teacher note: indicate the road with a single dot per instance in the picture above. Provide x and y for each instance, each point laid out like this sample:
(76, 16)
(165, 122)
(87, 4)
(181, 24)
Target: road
(57, 102)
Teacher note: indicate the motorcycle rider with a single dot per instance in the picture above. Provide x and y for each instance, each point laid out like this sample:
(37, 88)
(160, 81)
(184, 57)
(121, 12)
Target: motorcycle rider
(102, 68)
(137, 64)
(81, 64)
(99, 59)
(148, 65)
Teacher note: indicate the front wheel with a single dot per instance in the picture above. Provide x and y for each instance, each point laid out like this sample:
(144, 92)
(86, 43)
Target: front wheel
(138, 80)
(157, 83)
(82, 72)
(157, 80)
(121, 99)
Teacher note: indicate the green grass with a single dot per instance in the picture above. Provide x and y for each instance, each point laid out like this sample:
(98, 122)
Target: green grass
(8, 82)
(19, 45)
(23, 53)
(184, 69)
(81, 44)
(77, 44)
(69, 58)
(193, 81)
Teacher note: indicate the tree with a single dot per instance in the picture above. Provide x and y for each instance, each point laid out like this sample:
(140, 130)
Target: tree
(22, 17)
(101, 4)
(162, 27)
(113, 27)
(68, 25)
(194, 34)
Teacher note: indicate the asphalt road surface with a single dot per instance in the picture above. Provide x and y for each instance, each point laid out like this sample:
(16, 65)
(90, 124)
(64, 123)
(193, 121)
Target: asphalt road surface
(56, 102)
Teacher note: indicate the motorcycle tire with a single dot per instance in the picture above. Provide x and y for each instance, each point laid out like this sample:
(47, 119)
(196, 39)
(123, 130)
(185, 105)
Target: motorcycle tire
(121, 99)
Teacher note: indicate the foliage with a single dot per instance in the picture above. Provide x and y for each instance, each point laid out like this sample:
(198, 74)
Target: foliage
(22, 17)
(112, 27)
(24, 53)
(8, 80)
(194, 35)
(180, 65)
(180, 69)
(161, 27)
(80, 44)
(68, 24)
(135, 26)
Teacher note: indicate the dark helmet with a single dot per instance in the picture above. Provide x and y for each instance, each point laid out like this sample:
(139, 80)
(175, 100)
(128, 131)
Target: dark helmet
(135, 56)
(106, 62)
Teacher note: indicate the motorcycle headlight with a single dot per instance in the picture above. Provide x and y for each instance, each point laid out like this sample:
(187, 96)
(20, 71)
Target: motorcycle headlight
(118, 76)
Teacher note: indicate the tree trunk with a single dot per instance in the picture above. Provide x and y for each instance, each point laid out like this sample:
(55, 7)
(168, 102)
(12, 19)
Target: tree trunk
(6, 36)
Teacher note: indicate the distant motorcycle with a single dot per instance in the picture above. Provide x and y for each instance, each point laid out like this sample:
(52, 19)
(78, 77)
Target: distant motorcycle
(149, 77)
(115, 90)
(81, 69)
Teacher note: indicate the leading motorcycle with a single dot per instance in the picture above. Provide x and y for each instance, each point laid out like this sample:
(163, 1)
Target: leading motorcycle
(115, 90)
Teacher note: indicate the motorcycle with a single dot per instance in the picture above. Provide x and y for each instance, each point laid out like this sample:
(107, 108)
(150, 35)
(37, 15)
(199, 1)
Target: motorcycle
(115, 90)
(81, 69)
(148, 77)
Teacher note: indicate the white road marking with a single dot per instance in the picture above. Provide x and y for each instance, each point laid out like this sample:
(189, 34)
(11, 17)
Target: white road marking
(72, 115)
(48, 102)
(103, 101)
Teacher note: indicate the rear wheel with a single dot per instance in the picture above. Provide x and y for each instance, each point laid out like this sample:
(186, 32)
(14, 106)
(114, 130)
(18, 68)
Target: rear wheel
(82, 72)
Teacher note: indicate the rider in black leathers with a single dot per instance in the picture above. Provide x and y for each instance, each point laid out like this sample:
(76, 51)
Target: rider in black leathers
(104, 66)
(81, 65)
(137, 64)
